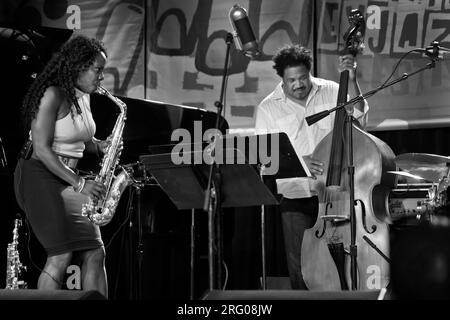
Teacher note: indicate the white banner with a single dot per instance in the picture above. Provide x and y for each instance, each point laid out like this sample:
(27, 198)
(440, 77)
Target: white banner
(173, 51)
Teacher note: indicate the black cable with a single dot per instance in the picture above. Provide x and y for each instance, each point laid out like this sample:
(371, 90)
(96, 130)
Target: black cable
(122, 244)
(16, 34)
(396, 66)
(393, 71)
(125, 221)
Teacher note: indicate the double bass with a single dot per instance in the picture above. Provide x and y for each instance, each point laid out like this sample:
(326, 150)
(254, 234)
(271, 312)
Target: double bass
(327, 247)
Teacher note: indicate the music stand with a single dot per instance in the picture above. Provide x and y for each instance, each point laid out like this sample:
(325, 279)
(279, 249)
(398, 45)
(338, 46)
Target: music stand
(276, 144)
(185, 185)
(288, 165)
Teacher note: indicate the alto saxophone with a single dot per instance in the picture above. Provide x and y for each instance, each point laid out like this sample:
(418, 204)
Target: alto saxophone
(14, 267)
(102, 211)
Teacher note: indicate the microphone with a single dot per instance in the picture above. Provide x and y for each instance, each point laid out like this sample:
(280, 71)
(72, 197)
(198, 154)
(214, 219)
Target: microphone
(244, 38)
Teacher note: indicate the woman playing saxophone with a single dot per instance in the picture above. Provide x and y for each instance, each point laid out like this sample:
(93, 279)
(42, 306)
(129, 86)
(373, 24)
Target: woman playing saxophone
(56, 110)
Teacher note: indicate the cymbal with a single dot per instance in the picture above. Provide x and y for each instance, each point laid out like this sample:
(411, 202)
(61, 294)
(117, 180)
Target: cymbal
(426, 158)
(406, 174)
(430, 167)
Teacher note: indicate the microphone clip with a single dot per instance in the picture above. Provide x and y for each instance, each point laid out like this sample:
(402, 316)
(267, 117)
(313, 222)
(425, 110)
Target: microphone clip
(230, 37)
(435, 52)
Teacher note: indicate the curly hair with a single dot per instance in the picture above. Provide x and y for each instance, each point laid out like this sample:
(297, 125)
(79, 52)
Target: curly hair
(291, 56)
(63, 69)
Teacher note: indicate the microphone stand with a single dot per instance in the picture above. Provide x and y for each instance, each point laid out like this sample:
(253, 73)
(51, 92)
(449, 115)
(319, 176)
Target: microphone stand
(320, 115)
(212, 201)
(351, 169)
(386, 288)
(140, 243)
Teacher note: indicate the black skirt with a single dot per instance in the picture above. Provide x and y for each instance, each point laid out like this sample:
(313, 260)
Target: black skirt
(53, 209)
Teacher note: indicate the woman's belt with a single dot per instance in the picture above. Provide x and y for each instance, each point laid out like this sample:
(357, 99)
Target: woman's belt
(68, 161)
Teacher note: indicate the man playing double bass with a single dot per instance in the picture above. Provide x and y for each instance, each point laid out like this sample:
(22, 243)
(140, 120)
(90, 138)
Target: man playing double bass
(297, 96)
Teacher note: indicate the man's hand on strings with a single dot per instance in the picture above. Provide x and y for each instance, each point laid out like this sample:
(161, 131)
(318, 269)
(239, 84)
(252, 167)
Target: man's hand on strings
(314, 165)
(348, 62)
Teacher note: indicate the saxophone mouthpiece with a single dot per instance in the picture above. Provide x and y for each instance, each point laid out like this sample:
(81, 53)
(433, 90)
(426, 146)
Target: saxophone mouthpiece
(101, 90)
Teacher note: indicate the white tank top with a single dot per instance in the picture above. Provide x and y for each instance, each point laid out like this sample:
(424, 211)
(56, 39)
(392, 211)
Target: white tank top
(71, 133)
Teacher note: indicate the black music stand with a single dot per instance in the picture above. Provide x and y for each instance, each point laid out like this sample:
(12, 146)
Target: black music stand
(185, 185)
(288, 165)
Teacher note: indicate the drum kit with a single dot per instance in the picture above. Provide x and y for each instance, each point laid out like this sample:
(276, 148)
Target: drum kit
(422, 188)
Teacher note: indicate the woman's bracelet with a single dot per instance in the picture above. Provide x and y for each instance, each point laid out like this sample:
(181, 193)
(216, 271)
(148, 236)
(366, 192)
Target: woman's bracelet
(80, 185)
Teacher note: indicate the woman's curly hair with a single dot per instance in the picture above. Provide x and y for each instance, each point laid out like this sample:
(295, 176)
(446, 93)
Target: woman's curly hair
(63, 69)
(292, 56)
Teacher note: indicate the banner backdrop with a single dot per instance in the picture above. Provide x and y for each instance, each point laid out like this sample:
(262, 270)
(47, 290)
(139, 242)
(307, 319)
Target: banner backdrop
(174, 50)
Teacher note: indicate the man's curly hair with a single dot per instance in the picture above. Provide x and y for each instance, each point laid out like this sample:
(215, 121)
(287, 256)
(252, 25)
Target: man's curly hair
(63, 69)
(291, 56)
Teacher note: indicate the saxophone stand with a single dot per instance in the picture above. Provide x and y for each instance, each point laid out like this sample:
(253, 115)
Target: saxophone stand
(14, 266)
(351, 169)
